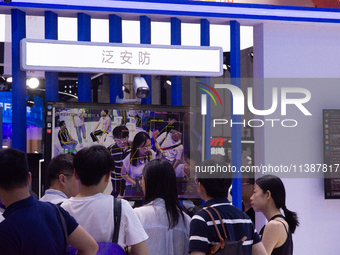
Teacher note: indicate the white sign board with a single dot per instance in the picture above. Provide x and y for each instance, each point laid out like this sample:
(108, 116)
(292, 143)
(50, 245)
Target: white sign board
(66, 56)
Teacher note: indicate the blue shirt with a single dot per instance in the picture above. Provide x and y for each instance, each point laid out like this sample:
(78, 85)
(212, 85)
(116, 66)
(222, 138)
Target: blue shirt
(32, 227)
(237, 223)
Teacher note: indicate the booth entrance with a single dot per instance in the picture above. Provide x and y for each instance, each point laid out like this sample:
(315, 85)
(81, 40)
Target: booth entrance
(84, 79)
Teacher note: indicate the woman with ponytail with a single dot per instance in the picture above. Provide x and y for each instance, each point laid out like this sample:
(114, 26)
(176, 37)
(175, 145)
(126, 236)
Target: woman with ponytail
(269, 197)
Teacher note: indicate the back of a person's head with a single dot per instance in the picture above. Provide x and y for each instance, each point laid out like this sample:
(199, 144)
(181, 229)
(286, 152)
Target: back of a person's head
(13, 169)
(215, 177)
(160, 182)
(61, 164)
(92, 163)
(120, 132)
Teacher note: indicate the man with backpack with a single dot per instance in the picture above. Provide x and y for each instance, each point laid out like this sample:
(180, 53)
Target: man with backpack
(94, 210)
(213, 189)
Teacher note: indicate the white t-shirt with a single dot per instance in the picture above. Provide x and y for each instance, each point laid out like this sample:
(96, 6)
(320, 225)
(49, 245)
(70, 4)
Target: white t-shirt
(163, 240)
(95, 215)
(135, 171)
(54, 196)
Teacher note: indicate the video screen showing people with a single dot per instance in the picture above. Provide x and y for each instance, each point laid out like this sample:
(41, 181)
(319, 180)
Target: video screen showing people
(133, 137)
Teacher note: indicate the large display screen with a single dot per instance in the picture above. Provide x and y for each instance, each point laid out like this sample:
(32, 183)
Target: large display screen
(331, 134)
(177, 129)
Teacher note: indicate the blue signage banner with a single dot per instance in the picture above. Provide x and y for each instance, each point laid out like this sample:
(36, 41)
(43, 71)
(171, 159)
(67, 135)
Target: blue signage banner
(34, 115)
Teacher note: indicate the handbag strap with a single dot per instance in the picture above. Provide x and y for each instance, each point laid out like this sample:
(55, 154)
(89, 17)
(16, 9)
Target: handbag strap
(218, 232)
(63, 226)
(220, 218)
(117, 209)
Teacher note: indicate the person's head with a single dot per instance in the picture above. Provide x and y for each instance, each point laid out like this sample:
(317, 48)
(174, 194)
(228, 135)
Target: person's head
(62, 125)
(159, 181)
(269, 189)
(14, 172)
(92, 164)
(61, 175)
(247, 186)
(104, 113)
(175, 135)
(121, 136)
(141, 146)
(216, 185)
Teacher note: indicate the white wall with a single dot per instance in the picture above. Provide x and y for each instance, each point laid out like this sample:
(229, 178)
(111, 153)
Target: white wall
(304, 50)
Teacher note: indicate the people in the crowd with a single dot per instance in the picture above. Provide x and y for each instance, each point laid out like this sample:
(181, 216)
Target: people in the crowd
(66, 140)
(161, 215)
(269, 197)
(170, 147)
(247, 192)
(192, 158)
(78, 123)
(94, 210)
(63, 183)
(134, 163)
(31, 226)
(104, 125)
(214, 192)
(119, 150)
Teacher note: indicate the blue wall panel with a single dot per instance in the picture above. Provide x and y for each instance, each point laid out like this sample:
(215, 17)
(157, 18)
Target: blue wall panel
(84, 79)
(19, 82)
(115, 36)
(51, 78)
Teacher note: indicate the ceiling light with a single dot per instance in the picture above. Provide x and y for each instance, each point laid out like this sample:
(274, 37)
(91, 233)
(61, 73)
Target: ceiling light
(33, 83)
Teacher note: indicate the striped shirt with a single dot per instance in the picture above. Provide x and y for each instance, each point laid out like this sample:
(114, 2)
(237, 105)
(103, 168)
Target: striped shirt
(118, 155)
(237, 223)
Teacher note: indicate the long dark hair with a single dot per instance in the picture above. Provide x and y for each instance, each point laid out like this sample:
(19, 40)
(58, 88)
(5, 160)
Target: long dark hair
(139, 140)
(278, 193)
(160, 182)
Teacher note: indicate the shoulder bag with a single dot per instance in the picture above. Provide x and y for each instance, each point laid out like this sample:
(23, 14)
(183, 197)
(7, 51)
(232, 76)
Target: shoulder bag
(226, 246)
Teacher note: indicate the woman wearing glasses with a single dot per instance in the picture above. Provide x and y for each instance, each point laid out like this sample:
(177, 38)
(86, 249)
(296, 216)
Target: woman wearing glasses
(134, 163)
(269, 197)
(162, 216)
